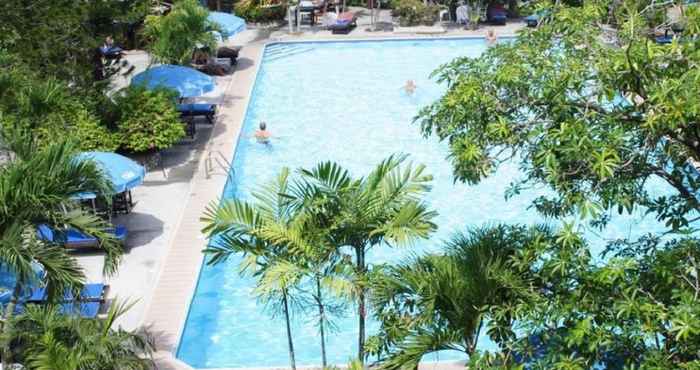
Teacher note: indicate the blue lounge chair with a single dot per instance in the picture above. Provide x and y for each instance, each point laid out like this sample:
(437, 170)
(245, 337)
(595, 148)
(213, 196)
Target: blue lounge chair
(664, 40)
(208, 111)
(90, 293)
(72, 238)
(88, 310)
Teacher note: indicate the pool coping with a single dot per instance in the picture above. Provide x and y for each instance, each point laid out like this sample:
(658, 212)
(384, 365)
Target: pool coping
(169, 307)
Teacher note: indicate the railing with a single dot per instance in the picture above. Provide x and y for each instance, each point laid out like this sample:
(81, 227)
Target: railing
(216, 159)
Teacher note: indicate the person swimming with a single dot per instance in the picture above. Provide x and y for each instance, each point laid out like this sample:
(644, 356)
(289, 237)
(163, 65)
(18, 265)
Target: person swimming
(410, 87)
(491, 38)
(262, 135)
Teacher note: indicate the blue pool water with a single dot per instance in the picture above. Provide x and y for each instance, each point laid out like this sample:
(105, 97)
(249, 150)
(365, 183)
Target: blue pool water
(342, 101)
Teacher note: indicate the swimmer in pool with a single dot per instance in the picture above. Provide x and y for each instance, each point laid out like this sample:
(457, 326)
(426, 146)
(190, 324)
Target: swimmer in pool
(410, 87)
(262, 135)
(491, 38)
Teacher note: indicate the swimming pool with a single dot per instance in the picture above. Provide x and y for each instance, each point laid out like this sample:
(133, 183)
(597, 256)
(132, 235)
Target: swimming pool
(342, 101)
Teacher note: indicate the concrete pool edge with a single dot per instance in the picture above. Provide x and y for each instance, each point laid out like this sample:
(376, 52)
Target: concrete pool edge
(169, 308)
(167, 311)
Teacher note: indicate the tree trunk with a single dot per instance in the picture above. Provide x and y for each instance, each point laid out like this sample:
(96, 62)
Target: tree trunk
(321, 315)
(218, 5)
(361, 269)
(292, 361)
(9, 312)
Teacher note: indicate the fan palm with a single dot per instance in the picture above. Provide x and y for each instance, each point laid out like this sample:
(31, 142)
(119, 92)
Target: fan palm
(44, 338)
(439, 302)
(37, 187)
(382, 208)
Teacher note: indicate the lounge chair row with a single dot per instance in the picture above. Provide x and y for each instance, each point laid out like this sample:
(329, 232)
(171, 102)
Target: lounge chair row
(88, 304)
(76, 239)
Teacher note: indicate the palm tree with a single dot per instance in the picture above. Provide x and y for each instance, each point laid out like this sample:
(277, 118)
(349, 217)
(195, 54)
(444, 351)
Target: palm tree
(37, 187)
(45, 338)
(325, 285)
(440, 302)
(261, 231)
(277, 281)
(382, 208)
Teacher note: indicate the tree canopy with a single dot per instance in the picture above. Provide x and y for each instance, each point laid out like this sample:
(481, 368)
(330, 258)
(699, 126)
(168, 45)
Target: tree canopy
(594, 110)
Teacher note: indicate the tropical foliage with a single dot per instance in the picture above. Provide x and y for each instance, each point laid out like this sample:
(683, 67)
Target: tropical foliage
(572, 103)
(260, 231)
(383, 208)
(37, 187)
(297, 232)
(64, 36)
(175, 36)
(148, 119)
(47, 107)
(445, 301)
(260, 11)
(414, 12)
(44, 338)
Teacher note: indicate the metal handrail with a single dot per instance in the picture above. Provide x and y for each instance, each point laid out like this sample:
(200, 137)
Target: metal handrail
(221, 161)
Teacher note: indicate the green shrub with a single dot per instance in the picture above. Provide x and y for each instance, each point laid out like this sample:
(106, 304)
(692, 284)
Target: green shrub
(414, 12)
(148, 119)
(82, 125)
(256, 11)
(174, 37)
(46, 109)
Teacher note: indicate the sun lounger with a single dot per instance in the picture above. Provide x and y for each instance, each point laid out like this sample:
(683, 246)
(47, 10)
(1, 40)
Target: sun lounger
(75, 239)
(665, 39)
(344, 23)
(207, 111)
(90, 293)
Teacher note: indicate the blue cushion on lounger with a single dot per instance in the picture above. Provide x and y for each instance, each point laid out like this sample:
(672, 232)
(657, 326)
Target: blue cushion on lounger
(45, 232)
(120, 232)
(90, 292)
(38, 295)
(87, 310)
(77, 238)
(196, 108)
(664, 39)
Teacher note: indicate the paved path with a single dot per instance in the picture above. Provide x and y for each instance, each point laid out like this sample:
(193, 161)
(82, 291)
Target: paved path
(167, 312)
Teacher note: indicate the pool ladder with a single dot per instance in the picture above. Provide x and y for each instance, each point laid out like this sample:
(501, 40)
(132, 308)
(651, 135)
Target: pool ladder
(216, 160)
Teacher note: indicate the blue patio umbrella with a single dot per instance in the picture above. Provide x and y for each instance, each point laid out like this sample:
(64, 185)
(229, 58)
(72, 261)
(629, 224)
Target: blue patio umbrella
(122, 172)
(228, 23)
(188, 82)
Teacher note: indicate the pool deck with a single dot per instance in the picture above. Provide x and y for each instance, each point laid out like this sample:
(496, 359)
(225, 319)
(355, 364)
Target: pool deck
(175, 265)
